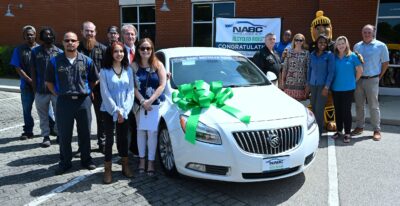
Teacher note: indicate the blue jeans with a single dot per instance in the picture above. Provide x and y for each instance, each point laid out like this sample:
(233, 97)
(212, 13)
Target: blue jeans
(27, 98)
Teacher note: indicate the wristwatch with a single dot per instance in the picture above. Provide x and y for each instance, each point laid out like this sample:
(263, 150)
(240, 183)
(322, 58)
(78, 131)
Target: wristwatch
(142, 101)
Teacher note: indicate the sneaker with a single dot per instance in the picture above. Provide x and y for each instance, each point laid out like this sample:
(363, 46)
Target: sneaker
(336, 135)
(46, 142)
(357, 131)
(61, 170)
(377, 136)
(346, 138)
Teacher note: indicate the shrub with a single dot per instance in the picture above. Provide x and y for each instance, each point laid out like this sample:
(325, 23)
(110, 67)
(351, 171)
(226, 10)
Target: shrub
(5, 56)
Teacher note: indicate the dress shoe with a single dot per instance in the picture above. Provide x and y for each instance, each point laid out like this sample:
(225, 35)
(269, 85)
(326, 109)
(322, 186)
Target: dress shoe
(61, 170)
(90, 166)
(377, 136)
(357, 131)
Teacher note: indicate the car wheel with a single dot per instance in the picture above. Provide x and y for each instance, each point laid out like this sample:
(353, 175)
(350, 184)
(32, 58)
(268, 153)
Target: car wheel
(165, 152)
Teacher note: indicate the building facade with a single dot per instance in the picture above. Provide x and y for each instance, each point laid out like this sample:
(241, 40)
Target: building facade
(191, 22)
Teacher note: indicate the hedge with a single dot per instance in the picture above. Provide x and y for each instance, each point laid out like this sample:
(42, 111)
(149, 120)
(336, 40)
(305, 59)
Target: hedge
(5, 69)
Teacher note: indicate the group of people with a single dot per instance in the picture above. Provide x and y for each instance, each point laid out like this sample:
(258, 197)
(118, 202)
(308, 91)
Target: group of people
(120, 79)
(330, 67)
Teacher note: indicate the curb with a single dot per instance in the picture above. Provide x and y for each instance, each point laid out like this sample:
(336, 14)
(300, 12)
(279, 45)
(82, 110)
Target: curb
(9, 89)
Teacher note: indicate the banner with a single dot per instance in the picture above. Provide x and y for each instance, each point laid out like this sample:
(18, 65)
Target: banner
(245, 35)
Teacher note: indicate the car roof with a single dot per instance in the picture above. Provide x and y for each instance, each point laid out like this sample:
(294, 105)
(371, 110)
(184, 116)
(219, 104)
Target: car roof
(198, 51)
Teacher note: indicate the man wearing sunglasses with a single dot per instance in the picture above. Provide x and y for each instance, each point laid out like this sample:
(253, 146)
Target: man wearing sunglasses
(96, 51)
(70, 77)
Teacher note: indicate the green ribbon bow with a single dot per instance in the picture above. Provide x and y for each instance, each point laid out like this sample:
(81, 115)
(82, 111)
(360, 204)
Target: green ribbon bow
(198, 95)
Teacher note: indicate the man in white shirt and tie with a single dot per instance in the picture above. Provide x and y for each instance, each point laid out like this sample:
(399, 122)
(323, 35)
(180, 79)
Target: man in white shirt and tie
(129, 33)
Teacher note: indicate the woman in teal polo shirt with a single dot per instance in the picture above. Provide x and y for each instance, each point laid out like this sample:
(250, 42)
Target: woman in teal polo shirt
(348, 70)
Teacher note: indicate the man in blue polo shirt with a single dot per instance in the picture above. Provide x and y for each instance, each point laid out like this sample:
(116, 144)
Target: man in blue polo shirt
(284, 44)
(41, 56)
(71, 76)
(21, 60)
(376, 57)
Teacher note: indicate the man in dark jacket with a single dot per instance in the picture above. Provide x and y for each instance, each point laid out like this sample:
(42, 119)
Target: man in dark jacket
(267, 59)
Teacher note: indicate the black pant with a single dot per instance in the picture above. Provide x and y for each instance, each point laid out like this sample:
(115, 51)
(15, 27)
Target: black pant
(342, 102)
(133, 129)
(99, 118)
(121, 137)
(68, 110)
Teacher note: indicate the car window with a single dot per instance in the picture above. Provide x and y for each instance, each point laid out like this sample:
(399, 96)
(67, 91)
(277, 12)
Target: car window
(231, 70)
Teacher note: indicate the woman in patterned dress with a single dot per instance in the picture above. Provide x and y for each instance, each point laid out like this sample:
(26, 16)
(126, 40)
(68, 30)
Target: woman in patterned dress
(294, 71)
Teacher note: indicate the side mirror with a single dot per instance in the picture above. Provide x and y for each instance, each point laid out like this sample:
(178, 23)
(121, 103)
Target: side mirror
(271, 76)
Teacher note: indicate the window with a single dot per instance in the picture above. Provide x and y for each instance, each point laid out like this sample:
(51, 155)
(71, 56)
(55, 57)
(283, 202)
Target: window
(388, 31)
(143, 18)
(203, 18)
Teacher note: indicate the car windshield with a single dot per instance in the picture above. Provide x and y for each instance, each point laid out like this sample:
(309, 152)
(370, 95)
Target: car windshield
(233, 71)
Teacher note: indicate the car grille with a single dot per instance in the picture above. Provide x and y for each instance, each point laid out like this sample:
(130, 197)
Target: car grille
(269, 141)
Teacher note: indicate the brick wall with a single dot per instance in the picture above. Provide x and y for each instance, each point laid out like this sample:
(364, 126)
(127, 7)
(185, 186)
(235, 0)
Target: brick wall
(62, 16)
(174, 28)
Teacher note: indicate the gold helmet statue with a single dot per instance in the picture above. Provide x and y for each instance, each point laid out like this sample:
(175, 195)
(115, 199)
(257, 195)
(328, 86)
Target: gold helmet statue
(321, 25)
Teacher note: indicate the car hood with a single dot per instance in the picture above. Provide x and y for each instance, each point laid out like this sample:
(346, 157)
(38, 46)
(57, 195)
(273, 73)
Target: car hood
(262, 103)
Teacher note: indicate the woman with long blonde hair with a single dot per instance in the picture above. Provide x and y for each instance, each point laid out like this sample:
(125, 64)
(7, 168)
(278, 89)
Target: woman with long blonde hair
(151, 80)
(294, 71)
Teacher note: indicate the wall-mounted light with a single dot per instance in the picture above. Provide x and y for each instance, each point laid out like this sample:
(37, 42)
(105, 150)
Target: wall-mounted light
(9, 13)
(164, 7)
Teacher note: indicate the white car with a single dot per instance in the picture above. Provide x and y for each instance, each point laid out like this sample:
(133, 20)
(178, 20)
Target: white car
(280, 140)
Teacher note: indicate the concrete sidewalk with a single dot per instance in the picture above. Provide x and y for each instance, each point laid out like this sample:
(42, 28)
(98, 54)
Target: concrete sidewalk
(389, 105)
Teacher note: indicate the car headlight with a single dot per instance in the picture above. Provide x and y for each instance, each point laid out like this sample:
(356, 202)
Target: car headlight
(310, 118)
(204, 133)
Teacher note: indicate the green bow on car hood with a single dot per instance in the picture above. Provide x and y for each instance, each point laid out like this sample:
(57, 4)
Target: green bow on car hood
(198, 95)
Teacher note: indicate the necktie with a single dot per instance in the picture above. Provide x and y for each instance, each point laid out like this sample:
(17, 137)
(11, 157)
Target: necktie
(131, 56)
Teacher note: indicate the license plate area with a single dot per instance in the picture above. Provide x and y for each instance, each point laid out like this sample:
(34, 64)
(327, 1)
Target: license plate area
(275, 163)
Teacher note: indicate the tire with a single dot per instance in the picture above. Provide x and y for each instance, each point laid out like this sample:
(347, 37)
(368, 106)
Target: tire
(165, 153)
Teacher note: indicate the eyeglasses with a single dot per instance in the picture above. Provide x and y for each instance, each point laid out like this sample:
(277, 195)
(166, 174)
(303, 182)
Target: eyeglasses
(299, 40)
(145, 48)
(70, 40)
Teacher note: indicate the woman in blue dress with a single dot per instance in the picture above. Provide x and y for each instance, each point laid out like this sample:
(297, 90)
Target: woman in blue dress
(117, 92)
(348, 71)
(151, 80)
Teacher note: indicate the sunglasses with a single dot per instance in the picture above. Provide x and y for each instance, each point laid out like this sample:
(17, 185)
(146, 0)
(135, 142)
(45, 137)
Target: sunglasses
(145, 48)
(299, 40)
(70, 40)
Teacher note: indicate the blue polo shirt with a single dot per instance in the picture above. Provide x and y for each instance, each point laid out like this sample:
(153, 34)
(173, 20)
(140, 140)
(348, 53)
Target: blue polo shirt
(321, 70)
(281, 46)
(21, 58)
(345, 73)
(72, 79)
(375, 53)
(40, 62)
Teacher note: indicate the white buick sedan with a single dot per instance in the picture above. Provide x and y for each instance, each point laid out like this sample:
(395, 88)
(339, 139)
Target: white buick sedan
(278, 140)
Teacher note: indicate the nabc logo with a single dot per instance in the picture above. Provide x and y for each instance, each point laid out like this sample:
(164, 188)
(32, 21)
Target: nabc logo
(247, 29)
